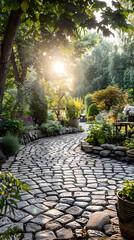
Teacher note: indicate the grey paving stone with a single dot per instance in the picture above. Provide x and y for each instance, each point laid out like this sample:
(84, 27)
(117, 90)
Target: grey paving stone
(52, 198)
(22, 204)
(18, 215)
(62, 206)
(26, 219)
(28, 236)
(32, 209)
(73, 225)
(41, 219)
(42, 206)
(83, 199)
(65, 194)
(81, 204)
(67, 200)
(75, 210)
(5, 227)
(65, 218)
(99, 202)
(32, 227)
(82, 220)
(64, 233)
(25, 197)
(50, 203)
(45, 235)
(5, 221)
(86, 214)
(53, 225)
(54, 213)
(94, 208)
(81, 194)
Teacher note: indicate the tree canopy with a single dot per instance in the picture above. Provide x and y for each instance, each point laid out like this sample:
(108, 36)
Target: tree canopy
(54, 23)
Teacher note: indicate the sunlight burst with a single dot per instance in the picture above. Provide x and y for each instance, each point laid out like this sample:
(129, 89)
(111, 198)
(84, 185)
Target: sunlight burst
(59, 67)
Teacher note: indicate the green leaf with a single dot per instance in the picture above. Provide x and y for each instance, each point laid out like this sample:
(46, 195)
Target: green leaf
(25, 5)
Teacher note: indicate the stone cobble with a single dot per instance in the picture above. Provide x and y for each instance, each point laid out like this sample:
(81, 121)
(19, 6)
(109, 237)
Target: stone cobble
(67, 187)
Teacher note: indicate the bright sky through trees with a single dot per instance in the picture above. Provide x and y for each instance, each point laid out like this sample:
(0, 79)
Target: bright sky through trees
(59, 68)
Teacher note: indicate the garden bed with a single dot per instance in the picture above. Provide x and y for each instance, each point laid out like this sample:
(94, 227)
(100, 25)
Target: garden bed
(36, 134)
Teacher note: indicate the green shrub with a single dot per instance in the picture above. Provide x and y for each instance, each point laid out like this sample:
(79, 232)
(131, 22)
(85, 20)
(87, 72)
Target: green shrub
(93, 110)
(13, 126)
(100, 134)
(88, 101)
(10, 144)
(10, 191)
(73, 108)
(129, 142)
(51, 116)
(50, 127)
(38, 105)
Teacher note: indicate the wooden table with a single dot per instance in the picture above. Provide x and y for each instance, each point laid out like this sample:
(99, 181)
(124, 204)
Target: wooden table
(119, 125)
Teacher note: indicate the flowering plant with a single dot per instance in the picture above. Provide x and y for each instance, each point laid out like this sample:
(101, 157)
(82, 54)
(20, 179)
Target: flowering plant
(60, 118)
(129, 111)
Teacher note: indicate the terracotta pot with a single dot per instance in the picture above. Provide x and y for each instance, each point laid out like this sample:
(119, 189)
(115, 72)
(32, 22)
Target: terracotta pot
(125, 212)
(74, 122)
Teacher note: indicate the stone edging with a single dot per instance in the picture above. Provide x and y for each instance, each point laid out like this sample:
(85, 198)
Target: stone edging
(108, 150)
(37, 134)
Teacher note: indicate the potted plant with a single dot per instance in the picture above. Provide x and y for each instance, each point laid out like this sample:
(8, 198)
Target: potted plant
(73, 111)
(125, 209)
(129, 112)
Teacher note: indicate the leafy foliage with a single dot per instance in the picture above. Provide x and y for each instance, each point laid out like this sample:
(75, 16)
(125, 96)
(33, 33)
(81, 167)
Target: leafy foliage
(129, 142)
(11, 232)
(14, 126)
(50, 127)
(93, 110)
(99, 134)
(10, 187)
(128, 191)
(73, 108)
(10, 144)
(38, 105)
(109, 97)
(88, 101)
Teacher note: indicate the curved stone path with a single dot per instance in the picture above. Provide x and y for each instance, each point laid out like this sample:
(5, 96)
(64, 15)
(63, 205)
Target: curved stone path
(66, 184)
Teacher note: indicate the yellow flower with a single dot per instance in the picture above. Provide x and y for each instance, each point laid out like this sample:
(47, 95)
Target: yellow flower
(2, 192)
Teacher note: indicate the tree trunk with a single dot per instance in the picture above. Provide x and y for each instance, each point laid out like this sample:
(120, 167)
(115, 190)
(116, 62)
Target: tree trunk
(6, 48)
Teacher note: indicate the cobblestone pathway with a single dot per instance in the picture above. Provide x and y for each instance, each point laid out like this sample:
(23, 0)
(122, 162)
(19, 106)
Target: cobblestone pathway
(66, 184)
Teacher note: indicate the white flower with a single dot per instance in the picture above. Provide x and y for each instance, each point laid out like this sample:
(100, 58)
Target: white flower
(128, 110)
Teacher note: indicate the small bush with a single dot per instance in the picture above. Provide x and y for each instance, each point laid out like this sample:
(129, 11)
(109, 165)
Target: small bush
(51, 116)
(13, 126)
(10, 144)
(73, 108)
(88, 101)
(50, 127)
(93, 110)
(100, 134)
(90, 119)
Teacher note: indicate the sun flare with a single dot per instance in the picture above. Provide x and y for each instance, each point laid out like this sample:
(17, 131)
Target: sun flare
(59, 67)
